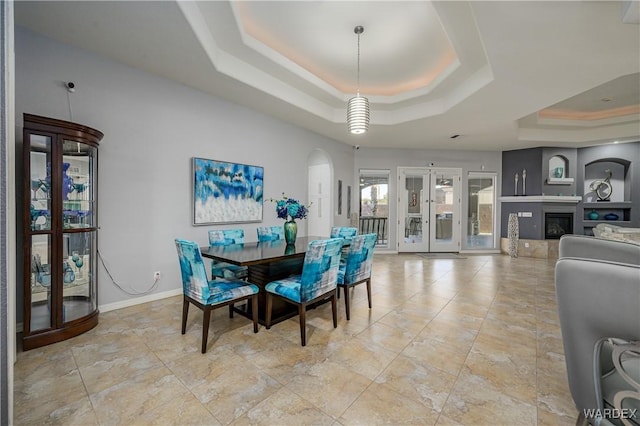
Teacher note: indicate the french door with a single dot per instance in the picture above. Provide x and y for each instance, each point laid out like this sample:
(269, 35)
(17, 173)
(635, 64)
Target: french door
(428, 209)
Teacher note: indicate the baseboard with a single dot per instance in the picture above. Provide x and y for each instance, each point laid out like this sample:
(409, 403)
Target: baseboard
(125, 303)
(139, 300)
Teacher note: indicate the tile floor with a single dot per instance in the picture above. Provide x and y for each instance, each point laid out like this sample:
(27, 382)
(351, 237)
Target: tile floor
(471, 341)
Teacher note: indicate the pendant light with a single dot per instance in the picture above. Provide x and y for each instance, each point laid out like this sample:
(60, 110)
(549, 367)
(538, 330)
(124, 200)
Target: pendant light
(358, 107)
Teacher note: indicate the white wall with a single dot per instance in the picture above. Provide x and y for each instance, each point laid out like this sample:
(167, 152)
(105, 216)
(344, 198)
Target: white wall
(153, 127)
(391, 159)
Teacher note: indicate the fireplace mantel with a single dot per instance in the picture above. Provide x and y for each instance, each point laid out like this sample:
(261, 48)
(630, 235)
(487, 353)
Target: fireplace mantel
(541, 199)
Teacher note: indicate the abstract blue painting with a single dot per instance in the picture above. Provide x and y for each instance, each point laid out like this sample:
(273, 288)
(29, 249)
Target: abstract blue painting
(226, 192)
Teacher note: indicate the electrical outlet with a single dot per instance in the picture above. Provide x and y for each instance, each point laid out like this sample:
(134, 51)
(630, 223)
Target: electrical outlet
(156, 275)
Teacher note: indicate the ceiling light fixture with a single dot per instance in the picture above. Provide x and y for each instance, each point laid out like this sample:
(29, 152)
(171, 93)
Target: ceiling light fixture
(358, 108)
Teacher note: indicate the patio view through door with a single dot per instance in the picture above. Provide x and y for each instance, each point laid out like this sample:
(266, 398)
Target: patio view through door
(428, 210)
(373, 213)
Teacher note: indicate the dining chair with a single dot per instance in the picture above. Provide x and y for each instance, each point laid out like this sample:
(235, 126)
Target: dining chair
(356, 268)
(317, 282)
(270, 233)
(227, 237)
(208, 295)
(345, 232)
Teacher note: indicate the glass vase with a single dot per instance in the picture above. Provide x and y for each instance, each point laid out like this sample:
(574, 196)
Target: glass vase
(290, 231)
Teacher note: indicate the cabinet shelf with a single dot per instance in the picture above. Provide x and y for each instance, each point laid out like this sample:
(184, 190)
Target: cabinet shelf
(609, 205)
(592, 223)
(560, 181)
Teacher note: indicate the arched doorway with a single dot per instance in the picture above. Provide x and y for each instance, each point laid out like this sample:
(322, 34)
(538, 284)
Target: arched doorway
(320, 190)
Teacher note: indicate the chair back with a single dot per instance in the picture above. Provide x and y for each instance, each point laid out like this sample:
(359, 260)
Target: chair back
(270, 233)
(320, 268)
(343, 232)
(360, 258)
(194, 275)
(226, 237)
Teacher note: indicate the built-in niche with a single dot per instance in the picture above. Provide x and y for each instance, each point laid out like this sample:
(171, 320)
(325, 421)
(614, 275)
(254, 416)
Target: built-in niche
(611, 171)
(559, 171)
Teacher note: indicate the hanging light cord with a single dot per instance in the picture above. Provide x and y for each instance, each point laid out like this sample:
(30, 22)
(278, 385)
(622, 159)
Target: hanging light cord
(358, 75)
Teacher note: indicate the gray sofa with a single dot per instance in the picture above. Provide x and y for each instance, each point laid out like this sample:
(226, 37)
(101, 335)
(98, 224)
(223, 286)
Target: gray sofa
(598, 295)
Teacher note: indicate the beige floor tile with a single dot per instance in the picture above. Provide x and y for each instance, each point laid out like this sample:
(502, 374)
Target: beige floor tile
(134, 398)
(391, 338)
(417, 381)
(363, 357)
(183, 410)
(329, 386)
(380, 404)
(235, 391)
(475, 401)
(472, 341)
(284, 407)
(436, 354)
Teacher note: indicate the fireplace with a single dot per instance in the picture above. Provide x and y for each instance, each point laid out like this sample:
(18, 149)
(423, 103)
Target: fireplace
(557, 224)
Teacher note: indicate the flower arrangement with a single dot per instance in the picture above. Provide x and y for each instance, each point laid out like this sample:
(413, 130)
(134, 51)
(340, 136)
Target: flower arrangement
(290, 208)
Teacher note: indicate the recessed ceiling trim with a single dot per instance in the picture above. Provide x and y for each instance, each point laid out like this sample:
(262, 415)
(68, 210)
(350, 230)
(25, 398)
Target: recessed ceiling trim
(282, 60)
(589, 123)
(572, 115)
(622, 131)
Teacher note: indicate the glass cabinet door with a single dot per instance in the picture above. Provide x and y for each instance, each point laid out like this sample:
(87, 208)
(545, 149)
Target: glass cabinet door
(78, 186)
(40, 167)
(78, 275)
(41, 310)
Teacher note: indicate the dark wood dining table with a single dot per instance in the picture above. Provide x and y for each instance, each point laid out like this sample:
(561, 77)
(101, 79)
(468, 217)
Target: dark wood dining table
(266, 261)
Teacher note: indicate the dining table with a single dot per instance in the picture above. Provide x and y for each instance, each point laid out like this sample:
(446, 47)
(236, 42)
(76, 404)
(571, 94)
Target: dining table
(266, 261)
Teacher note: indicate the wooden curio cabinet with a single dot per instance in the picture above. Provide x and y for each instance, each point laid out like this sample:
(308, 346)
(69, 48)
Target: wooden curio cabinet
(60, 230)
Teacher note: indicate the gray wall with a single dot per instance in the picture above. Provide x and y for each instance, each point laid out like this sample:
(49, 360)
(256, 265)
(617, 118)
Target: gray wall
(391, 159)
(515, 162)
(153, 127)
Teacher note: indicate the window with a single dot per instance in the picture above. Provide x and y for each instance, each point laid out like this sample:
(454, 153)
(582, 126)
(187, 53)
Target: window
(481, 214)
(374, 204)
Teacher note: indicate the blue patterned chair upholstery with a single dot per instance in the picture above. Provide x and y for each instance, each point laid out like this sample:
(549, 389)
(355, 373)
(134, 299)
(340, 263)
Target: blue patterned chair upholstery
(223, 269)
(343, 232)
(317, 282)
(270, 233)
(356, 268)
(208, 295)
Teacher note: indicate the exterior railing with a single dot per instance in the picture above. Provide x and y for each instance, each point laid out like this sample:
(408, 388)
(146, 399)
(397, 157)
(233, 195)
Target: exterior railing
(378, 225)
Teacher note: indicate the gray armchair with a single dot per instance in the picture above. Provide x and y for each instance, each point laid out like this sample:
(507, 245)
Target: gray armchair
(598, 295)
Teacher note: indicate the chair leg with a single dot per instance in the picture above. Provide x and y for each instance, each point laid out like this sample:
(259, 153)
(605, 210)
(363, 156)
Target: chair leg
(334, 307)
(254, 308)
(231, 310)
(185, 312)
(346, 302)
(205, 327)
(302, 313)
(369, 291)
(267, 320)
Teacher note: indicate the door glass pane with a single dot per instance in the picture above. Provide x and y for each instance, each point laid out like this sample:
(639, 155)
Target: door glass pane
(480, 232)
(374, 205)
(414, 189)
(40, 167)
(78, 275)
(40, 282)
(444, 201)
(78, 188)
